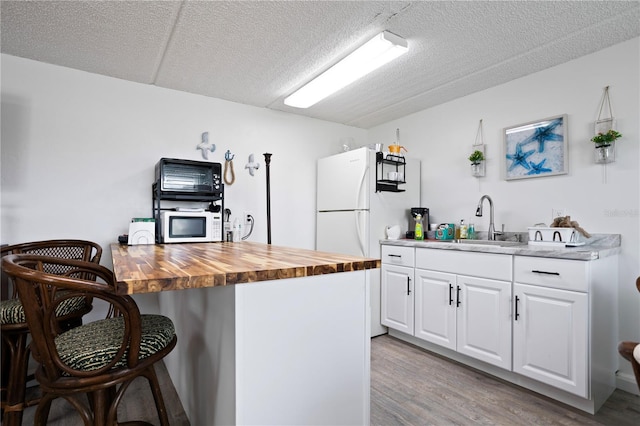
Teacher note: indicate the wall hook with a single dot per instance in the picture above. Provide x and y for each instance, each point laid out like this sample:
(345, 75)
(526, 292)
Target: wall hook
(205, 146)
(252, 165)
(228, 167)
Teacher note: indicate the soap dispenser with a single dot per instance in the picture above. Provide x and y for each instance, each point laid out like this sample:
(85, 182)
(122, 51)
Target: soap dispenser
(463, 230)
(419, 235)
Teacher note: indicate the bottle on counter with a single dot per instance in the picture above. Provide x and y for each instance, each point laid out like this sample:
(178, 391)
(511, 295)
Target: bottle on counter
(419, 234)
(463, 230)
(471, 231)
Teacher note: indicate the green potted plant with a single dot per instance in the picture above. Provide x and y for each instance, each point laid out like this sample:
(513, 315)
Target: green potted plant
(477, 163)
(476, 157)
(605, 139)
(605, 152)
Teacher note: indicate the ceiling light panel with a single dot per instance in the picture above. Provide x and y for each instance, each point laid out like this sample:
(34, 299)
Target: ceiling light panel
(381, 49)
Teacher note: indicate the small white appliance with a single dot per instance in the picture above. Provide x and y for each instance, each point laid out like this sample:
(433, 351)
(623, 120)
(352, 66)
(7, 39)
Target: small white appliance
(352, 217)
(142, 232)
(190, 227)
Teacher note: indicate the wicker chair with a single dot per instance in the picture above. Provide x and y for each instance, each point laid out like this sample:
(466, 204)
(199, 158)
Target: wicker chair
(99, 359)
(631, 350)
(15, 332)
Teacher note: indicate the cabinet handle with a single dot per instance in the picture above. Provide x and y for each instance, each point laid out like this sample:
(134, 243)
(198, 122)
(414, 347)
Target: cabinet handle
(545, 272)
(517, 300)
(408, 286)
(457, 296)
(450, 294)
(394, 255)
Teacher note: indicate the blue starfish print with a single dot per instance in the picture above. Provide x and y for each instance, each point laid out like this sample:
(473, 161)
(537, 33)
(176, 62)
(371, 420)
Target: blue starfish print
(519, 158)
(544, 134)
(536, 169)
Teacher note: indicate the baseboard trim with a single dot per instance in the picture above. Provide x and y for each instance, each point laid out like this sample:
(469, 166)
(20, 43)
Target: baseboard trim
(627, 383)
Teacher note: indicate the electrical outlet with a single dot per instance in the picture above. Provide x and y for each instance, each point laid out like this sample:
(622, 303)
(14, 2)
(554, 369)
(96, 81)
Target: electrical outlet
(248, 217)
(558, 213)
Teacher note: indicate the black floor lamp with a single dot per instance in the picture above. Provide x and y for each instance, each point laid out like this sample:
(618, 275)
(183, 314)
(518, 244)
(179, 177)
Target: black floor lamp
(267, 162)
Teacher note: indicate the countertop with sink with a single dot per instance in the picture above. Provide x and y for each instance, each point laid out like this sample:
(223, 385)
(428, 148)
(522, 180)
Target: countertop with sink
(596, 247)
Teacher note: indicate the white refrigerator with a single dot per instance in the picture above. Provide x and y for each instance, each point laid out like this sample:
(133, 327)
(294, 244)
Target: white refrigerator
(352, 216)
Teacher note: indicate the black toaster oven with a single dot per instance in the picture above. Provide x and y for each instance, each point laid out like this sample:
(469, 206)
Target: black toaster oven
(188, 177)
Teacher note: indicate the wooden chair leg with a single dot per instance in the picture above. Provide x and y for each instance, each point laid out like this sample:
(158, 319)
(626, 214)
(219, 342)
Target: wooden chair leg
(16, 385)
(151, 376)
(5, 359)
(101, 405)
(42, 411)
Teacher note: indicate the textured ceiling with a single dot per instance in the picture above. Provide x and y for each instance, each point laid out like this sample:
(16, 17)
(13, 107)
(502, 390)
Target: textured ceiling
(258, 52)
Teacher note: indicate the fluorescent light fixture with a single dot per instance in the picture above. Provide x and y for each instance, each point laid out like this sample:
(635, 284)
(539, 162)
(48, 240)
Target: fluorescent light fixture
(373, 54)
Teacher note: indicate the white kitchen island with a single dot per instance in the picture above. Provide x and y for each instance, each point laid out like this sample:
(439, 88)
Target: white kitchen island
(283, 339)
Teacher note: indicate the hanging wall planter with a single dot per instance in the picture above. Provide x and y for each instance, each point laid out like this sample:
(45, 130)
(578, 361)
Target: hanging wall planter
(605, 148)
(477, 163)
(605, 153)
(605, 137)
(477, 157)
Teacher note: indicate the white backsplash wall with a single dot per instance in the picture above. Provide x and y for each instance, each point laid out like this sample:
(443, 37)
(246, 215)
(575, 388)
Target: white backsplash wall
(603, 199)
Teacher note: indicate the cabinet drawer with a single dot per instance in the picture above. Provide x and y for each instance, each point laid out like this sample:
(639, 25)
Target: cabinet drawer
(485, 265)
(394, 255)
(554, 273)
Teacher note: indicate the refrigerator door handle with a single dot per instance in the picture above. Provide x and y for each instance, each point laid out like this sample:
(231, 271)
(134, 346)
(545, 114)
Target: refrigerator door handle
(360, 188)
(358, 231)
(358, 212)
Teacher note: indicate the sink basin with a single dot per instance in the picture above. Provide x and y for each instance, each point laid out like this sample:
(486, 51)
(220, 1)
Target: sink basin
(491, 243)
(484, 242)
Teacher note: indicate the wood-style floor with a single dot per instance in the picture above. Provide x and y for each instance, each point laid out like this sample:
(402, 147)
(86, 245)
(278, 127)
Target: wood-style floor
(410, 386)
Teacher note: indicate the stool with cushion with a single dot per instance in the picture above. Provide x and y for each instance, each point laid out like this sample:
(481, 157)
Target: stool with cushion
(15, 332)
(99, 359)
(631, 350)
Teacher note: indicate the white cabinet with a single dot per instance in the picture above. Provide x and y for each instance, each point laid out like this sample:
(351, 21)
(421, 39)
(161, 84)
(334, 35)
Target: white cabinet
(397, 298)
(397, 288)
(548, 324)
(551, 322)
(550, 337)
(484, 320)
(468, 314)
(435, 319)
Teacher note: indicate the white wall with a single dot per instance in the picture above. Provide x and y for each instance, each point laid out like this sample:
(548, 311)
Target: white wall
(79, 149)
(78, 152)
(603, 199)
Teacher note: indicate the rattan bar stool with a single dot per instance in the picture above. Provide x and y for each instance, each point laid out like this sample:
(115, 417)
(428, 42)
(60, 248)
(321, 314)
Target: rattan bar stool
(15, 331)
(630, 350)
(100, 358)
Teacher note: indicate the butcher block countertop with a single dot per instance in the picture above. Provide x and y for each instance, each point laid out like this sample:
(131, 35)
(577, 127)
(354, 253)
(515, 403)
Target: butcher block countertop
(162, 267)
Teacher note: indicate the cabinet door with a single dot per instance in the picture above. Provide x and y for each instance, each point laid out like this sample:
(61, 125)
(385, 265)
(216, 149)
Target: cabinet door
(435, 305)
(550, 337)
(484, 320)
(397, 297)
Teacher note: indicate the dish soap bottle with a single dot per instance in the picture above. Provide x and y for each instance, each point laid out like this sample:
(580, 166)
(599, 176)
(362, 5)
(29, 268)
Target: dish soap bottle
(463, 230)
(419, 235)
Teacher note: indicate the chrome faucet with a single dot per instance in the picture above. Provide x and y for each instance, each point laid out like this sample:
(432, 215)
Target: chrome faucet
(492, 230)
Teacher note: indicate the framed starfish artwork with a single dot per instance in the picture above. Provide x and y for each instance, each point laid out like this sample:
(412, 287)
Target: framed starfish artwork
(536, 149)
